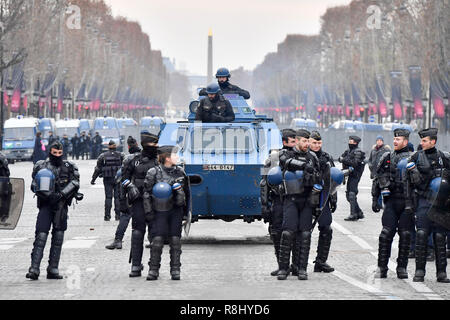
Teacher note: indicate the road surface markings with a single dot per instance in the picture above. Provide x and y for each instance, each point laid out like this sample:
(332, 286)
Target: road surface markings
(418, 286)
(8, 243)
(80, 243)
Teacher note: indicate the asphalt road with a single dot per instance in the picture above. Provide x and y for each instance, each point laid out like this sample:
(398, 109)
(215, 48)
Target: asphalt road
(220, 260)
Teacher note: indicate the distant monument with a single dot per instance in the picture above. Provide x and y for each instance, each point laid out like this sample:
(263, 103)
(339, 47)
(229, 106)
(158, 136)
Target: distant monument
(209, 76)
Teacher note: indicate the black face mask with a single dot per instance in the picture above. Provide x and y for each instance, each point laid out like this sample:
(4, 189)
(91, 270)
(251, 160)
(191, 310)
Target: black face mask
(150, 152)
(215, 98)
(224, 84)
(352, 146)
(56, 161)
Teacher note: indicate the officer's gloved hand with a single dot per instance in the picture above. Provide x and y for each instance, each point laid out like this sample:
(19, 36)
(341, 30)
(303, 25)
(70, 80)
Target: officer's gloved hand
(216, 118)
(316, 212)
(333, 206)
(409, 207)
(375, 205)
(93, 181)
(309, 168)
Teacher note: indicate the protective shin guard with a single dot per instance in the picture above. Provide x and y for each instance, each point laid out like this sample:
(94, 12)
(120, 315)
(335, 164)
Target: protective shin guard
(404, 244)
(276, 239)
(55, 254)
(305, 246)
(137, 248)
(36, 255)
(439, 240)
(156, 247)
(384, 252)
(323, 249)
(421, 254)
(296, 242)
(285, 254)
(175, 255)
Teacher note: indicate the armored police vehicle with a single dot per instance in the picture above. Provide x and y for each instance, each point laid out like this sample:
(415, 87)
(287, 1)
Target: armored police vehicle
(108, 129)
(152, 124)
(224, 161)
(19, 137)
(45, 126)
(70, 127)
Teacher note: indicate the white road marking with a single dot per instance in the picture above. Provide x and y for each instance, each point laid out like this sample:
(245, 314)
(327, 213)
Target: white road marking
(8, 243)
(78, 244)
(4, 247)
(418, 286)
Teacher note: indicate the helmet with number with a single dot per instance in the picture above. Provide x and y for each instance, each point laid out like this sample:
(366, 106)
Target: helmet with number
(275, 176)
(213, 88)
(223, 72)
(44, 182)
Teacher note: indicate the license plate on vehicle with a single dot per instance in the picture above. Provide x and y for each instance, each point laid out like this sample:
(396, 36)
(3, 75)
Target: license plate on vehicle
(218, 167)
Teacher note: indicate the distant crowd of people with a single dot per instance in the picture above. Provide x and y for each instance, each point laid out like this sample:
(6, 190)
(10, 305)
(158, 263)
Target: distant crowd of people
(84, 146)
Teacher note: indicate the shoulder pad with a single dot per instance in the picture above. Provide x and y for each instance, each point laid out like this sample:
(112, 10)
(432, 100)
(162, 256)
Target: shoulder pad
(152, 171)
(40, 163)
(70, 164)
(313, 155)
(130, 157)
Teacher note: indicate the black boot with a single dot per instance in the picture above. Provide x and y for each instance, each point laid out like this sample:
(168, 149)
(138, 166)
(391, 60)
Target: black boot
(384, 253)
(323, 249)
(305, 246)
(117, 244)
(430, 254)
(108, 207)
(175, 255)
(137, 248)
(439, 240)
(55, 254)
(36, 255)
(295, 253)
(156, 248)
(276, 238)
(285, 254)
(404, 244)
(351, 198)
(421, 255)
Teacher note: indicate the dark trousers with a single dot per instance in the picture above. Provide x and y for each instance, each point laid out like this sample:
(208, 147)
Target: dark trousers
(167, 224)
(326, 218)
(111, 191)
(297, 214)
(138, 216)
(123, 225)
(394, 217)
(422, 220)
(352, 192)
(46, 218)
(276, 216)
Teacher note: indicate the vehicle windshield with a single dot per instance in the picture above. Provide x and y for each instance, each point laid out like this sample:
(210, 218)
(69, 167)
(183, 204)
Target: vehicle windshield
(221, 140)
(70, 131)
(19, 134)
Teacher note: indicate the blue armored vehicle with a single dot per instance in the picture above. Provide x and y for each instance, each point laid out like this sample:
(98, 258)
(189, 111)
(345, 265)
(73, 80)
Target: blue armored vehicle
(224, 161)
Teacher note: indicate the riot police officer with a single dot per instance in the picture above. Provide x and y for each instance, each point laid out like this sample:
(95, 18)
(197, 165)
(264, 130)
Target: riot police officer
(325, 219)
(125, 212)
(6, 195)
(376, 153)
(107, 165)
(223, 78)
(166, 204)
(301, 172)
(423, 166)
(389, 178)
(215, 108)
(134, 170)
(4, 169)
(56, 183)
(353, 157)
(271, 193)
(97, 145)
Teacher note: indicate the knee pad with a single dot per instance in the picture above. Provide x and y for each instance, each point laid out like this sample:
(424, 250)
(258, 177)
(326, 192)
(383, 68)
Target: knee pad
(305, 235)
(137, 234)
(288, 235)
(387, 234)
(175, 242)
(422, 234)
(325, 230)
(157, 242)
(58, 237)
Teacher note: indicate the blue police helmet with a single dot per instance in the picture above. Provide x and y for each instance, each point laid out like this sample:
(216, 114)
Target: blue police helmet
(213, 88)
(289, 175)
(162, 190)
(435, 184)
(401, 165)
(45, 181)
(223, 72)
(337, 175)
(275, 176)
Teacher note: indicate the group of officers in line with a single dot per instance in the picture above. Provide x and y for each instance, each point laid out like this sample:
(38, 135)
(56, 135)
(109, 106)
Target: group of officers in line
(401, 184)
(151, 190)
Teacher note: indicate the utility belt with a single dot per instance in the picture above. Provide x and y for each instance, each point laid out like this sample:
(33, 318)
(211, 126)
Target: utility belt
(110, 172)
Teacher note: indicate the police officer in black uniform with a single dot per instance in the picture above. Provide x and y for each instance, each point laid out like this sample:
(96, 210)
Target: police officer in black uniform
(325, 219)
(301, 170)
(54, 196)
(107, 165)
(389, 179)
(134, 170)
(423, 166)
(223, 78)
(4, 169)
(97, 145)
(214, 108)
(353, 157)
(272, 195)
(167, 204)
(125, 212)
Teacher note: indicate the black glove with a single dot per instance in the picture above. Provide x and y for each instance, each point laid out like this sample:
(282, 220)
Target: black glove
(333, 206)
(316, 212)
(216, 118)
(93, 181)
(409, 207)
(375, 205)
(309, 168)
(149, 217)
(123, 205)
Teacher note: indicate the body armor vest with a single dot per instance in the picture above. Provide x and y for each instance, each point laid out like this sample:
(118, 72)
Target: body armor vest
(111, 164)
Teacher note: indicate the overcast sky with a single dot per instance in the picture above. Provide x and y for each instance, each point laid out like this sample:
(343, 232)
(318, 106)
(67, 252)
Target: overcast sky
(244, 30)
